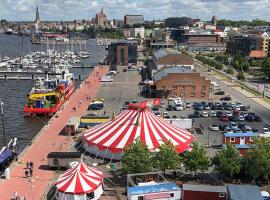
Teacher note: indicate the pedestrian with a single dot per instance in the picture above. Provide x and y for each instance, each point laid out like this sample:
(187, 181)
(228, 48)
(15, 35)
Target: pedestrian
(15, 195)
(31, 164)
(27, 164)
(26, 173)
(31, 172)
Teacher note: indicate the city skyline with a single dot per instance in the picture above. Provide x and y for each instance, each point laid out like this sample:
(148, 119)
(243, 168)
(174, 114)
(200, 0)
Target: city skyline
(24, 10)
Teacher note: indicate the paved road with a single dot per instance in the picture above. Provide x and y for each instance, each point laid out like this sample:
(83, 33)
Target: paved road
(124, 88)
(255, 107)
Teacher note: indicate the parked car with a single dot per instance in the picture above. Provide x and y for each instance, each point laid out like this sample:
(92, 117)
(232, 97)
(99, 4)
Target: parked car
(219, 114)
(228, 129)
(255, 130)
(238, 130)
(243, 108)
(166, 116)
(257, 118)
(241, 118)
(229, 113)
(227, 98)
(205, 114)
(220, 107)
(169, 108)
(233, 119)
(250, 118)
(221, 92)
(198, 107)
(214, 128)
(248, 129)
(228, 107)
(213, 113)
(188, 105)
(233, 125)
(197, 114)
(266, 130)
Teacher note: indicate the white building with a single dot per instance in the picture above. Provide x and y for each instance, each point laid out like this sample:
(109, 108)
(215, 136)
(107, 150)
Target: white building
(135, 31)
(222, 34)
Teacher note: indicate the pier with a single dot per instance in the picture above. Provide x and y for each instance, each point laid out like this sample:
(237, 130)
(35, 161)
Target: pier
(48, 140)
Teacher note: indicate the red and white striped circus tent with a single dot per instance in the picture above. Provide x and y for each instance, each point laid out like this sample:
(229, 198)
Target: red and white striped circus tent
(80, 182)
(109, 139)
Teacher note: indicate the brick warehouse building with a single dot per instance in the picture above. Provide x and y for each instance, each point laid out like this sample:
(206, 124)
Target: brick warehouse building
(122, 52)
(181, 82)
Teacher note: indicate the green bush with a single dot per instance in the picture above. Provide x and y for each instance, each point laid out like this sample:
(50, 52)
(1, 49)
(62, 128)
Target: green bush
(229, 70)
(241, 76)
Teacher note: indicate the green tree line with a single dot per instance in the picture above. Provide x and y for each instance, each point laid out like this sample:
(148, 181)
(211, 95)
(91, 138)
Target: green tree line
(227, 162)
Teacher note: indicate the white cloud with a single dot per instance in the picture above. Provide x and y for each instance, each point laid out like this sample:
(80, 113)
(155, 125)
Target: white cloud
(77, 9)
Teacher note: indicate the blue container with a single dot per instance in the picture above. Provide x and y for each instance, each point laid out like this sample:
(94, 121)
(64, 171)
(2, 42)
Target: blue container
(39, 104)
(51, 84)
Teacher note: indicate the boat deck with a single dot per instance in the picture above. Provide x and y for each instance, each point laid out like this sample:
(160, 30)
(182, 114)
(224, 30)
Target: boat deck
(48, 140)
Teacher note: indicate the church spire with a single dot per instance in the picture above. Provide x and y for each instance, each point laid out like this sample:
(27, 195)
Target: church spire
(37, 15)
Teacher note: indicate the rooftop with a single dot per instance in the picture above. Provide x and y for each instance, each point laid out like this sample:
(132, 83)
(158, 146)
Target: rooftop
(248, 134)
(244, 192)
(204, 188)
(258, 54)
(155, 188)
(170, 70)
(164, 52)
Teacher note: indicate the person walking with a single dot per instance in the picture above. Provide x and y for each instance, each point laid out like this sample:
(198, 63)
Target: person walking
(15, 195)
(31, 172)
(31, 164)
(26, 173)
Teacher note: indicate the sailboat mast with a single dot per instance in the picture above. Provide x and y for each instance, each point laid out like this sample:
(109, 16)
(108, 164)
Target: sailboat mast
(3, 126)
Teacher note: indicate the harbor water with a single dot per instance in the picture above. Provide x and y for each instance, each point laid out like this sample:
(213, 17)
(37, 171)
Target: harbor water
(13, 93)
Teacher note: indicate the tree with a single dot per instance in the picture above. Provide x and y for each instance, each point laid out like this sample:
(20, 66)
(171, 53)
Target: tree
(139, 38)
(166, 157)
(241, 76)
(196, 159)
(258, 159)
(136, 158)
(265, 68)
(227, 161)
(229, 70)
(245, 67)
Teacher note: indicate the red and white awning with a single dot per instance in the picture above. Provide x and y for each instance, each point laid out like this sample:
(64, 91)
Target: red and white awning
(137, 122)
(81, 179)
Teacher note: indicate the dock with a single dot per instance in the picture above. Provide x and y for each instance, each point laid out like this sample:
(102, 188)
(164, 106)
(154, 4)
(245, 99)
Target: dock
(48, 140)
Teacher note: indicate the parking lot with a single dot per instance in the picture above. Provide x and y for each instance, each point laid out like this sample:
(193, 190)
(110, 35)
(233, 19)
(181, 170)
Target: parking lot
(125, 89)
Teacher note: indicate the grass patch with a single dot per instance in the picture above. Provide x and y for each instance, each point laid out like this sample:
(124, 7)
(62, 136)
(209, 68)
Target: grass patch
(266, 99)
(251, 91)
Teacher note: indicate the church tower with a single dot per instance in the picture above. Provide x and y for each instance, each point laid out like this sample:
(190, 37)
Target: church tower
(37, 21)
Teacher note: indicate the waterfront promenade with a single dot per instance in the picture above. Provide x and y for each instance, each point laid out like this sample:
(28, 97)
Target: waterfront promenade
(48, 140)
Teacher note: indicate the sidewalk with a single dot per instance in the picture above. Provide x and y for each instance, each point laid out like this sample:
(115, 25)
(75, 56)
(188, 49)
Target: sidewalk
(47, 141)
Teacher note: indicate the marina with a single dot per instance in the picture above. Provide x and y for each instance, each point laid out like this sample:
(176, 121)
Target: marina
(14, 89)
(38, 151)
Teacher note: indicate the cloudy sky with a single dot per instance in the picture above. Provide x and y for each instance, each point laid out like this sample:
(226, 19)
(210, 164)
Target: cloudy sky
(151, 9)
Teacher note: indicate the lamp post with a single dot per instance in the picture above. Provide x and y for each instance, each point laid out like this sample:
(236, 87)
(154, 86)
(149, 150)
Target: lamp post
(210, 121)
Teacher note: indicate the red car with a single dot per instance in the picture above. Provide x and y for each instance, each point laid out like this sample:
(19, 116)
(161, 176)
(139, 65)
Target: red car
(224, 118)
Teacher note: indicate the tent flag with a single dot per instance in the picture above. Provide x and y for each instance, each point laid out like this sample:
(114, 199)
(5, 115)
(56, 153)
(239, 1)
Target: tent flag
(156, 102)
